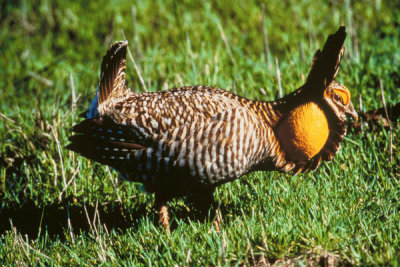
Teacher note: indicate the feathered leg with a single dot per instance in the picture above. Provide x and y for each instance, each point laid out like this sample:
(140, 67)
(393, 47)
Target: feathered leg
(160, 205)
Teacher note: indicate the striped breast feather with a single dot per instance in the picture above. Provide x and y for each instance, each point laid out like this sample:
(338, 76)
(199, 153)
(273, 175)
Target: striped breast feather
(216, 149)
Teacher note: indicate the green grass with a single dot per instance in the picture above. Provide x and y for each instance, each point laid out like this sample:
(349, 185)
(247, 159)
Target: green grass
(59, 208)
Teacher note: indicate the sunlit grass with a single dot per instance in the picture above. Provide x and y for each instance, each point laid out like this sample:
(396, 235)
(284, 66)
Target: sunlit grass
(57, 207)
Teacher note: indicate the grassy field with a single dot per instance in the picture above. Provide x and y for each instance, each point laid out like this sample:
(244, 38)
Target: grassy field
(59, 208)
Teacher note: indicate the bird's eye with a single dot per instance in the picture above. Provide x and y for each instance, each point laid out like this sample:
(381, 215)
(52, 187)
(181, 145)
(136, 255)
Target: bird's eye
(337, 98)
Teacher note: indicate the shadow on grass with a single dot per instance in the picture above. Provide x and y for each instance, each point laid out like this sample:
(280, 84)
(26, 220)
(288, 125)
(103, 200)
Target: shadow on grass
(58, 219)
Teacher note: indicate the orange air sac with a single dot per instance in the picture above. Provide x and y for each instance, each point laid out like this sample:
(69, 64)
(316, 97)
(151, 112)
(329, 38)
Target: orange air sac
(303, 132)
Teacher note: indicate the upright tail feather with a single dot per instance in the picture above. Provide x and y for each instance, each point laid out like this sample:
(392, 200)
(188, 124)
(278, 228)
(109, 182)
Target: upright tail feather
(113, 67)
(112, 76)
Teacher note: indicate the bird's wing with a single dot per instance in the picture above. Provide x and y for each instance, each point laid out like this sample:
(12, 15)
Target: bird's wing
(156, 112)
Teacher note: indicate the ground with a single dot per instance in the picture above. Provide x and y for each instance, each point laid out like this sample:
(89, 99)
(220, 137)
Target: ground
(59, 208)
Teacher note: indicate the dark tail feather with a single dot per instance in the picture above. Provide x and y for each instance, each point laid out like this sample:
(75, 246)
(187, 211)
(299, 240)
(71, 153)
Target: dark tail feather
(104, 142)
(105, 128)
(326, 63)
(113, 153)
(113, 70)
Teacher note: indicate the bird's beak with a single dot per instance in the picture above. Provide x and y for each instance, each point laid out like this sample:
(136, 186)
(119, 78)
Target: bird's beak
(351, 112)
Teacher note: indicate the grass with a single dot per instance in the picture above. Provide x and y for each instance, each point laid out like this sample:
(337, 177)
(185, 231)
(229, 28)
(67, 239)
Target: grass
(59, 208)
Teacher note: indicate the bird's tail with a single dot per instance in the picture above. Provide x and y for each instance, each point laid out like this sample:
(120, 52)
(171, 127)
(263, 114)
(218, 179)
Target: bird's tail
(112, 77)
(100, 138)
(104, 141)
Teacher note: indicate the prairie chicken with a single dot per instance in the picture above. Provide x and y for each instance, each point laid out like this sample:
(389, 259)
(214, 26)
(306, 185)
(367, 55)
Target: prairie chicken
(187, 141)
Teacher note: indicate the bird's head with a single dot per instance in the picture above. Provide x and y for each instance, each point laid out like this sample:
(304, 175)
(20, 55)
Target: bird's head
(337, 96)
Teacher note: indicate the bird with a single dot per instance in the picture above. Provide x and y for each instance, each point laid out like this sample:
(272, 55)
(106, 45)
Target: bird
(187, 141)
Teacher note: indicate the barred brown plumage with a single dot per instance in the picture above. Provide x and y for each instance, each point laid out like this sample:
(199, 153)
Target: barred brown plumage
(187, 141)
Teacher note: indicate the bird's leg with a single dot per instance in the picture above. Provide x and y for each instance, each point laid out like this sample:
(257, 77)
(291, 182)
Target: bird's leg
(164, 217)
(217, 220)
(162, 209)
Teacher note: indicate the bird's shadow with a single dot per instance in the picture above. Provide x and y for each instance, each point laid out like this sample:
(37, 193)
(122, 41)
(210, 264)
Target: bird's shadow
(61, 218)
